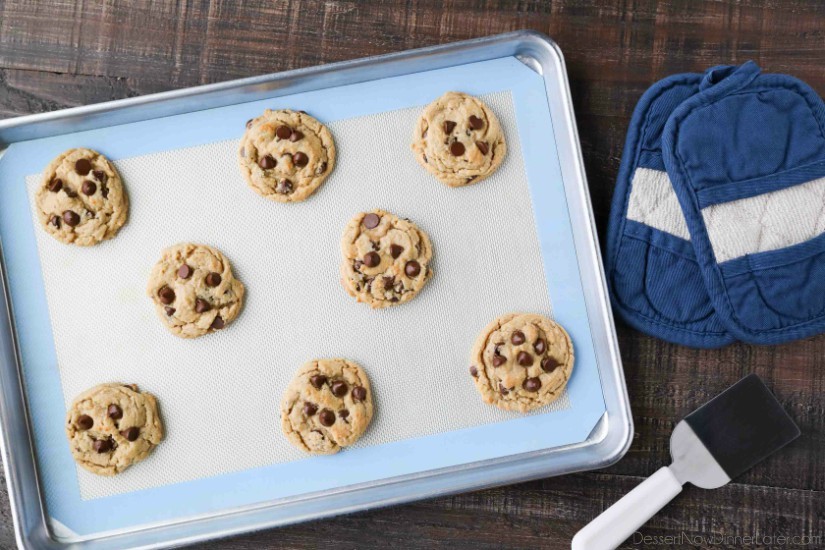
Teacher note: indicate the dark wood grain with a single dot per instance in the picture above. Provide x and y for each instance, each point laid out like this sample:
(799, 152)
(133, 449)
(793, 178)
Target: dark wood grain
(67, 53)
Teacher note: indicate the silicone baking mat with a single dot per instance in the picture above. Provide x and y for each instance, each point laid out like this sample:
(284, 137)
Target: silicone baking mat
(502, 245)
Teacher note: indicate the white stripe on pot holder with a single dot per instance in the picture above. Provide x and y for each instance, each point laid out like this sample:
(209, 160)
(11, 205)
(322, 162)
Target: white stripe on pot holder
(654, 203)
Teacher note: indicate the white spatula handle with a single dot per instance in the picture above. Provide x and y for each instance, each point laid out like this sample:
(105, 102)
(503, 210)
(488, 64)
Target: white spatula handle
(624, 518)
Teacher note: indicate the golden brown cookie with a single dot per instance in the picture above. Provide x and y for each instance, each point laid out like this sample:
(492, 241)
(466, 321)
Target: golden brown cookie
(521, 361)
(327, 406)
(459, 140)
(286, 155)
(386, 259)
(81, 199)
(112, 426)
(194, 290)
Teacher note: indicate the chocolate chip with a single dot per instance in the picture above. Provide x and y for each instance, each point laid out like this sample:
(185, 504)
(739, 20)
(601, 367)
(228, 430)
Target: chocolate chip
(356, 265)
(82, 166)
(71, 218)
(476, 123)
(202, 306)
(517, 338)
(283, 132)
(103, 445)
(70, 192)
(339, 388)
(55, 221)
(524, 359)
(89, 187)
(375, 246)
(169, 310)
(483, 147)
(85, 422)
(457, 148)
(396, 250)
(321, 169)
(502, 389)
(104, 191)
(318, 380)
(284, 187)
(114, 412)
(267, 162)
(549, 364)
(423, 135)
(249, 122)
(531, 384)
(540, 346)
(300, 159)
(184, 271)
(359, 393)
(343, 413)
(296, 136)
(166, 295)
(372, 259)
(499, 360)
(474, 372)
(213, 279)
(131, 434)
(449, 125)
(55, 185)
(327, 418)
(371, 220)
(217, 323)
(310, 408)
(412, 268)
(100, 175)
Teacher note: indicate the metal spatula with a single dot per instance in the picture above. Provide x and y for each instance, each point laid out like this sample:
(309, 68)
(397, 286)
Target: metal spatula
(712, 445)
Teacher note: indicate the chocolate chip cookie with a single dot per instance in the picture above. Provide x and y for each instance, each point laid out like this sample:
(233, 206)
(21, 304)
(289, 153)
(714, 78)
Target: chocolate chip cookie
(521, 361)
(81, 199)
(458, 139)
(194, 290)
(385, 259)
(328, 405)
(286, 155)
(112, 426)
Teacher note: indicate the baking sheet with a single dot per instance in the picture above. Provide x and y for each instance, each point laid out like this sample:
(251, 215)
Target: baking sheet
(550, 231)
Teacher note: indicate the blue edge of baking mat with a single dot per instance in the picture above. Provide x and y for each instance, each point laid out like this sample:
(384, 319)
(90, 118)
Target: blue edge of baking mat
(209, 495)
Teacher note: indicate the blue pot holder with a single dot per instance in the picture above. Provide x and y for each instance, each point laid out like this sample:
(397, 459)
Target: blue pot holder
(717, 229)
(655, 282)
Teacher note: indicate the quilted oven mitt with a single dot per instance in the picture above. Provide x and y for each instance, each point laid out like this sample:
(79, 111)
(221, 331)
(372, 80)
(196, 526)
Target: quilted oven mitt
(655, 281)
(746, 157)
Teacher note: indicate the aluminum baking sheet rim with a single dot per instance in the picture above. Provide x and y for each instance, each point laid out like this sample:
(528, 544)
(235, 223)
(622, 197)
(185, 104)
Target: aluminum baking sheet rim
(607, 443)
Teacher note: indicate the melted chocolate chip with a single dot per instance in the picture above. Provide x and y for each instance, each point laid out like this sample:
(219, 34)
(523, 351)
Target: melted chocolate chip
(359, 393)
(100, 176)
(321, 169)
(71, 218)
(131, 434)
(82, 166)
(202, 306)
(318, 380)
(524, 359)
(396, 250)
(502, 389)
(166, 295)
(371, 220)
(457, 148)
(55, 185)
(339, 388)
(531, 384)
(296, 136)
(103, 445)
(372, 259)
(114, 412)
(169, 310)
(475, 122)
(517, 338)
(343, 413)
(104, 191)
(449, 126)
(549, 364)
(483, 147)
(300, 159)
(184, 271)
(499, 360)
(213, 279)
(310, 408)
(412, 268)
(55, 221)
(283, 132)
(267, 162)
(217, 323)
(284, 187)
(540, 346)
(327, 418)
(85, 422)
(474, 372)
(70, 192)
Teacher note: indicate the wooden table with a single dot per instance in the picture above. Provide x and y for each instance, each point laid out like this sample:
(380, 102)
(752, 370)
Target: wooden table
(66, 53)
